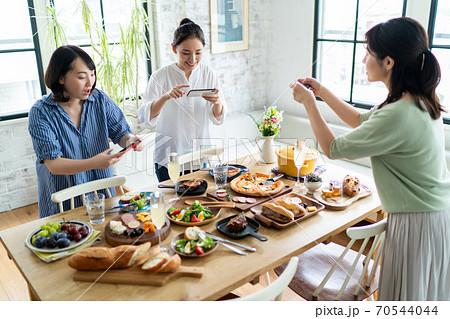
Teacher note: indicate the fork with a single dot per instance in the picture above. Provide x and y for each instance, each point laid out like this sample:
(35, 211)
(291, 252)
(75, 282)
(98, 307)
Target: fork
(236, 250)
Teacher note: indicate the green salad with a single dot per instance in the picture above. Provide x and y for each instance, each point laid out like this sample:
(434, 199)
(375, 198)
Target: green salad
(199, 246)
(194, 213)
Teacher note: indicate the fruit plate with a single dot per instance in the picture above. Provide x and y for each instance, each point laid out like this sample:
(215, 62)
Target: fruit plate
(180, 204)
(194, 254)
(144, 209)
(73, 243)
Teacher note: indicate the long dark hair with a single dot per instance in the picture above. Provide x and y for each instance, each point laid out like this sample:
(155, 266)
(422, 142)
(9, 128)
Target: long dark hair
(61, 62)
(187, 30)
(415, 70)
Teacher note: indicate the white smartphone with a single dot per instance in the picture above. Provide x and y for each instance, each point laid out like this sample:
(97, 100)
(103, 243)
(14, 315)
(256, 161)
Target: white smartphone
(200, 92)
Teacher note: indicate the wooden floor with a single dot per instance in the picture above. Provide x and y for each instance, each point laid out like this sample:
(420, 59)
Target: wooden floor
(13, 285)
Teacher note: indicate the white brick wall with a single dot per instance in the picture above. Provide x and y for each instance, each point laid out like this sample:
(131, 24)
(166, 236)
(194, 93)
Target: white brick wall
(18, 182)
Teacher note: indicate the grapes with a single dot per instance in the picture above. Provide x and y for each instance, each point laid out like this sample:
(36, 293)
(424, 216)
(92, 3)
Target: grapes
(43, 233)
(52, 235)
(73, 230)
(77, 237)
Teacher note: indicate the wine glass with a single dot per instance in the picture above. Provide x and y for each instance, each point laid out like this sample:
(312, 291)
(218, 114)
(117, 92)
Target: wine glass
(174, 172)
(157, 213)
(299, 160)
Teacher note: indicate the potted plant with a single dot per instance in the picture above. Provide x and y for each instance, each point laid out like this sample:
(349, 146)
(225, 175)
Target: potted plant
(312, 183)
(118, 76)
(269, 127)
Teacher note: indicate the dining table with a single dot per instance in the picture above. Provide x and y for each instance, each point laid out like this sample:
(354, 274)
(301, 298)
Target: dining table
(223, 270)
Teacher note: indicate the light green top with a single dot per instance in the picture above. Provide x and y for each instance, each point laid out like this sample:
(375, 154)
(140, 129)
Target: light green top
(407, 151)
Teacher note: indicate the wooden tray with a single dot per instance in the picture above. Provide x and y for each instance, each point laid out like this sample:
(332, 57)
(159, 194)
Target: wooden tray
(343, 201)
(180, 204)
(246, 206)
(265, 221)
(135, 276)
(116, 240)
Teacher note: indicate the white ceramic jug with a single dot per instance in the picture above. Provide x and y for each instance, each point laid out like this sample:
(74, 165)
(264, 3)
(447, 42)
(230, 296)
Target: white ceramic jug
(267, 151)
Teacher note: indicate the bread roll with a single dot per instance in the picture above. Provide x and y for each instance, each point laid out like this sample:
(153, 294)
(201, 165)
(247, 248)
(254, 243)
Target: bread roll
(350, 186)
(97, 258)
(191, 233)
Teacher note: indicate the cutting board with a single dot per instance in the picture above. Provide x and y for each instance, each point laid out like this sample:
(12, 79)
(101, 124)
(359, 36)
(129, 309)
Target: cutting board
(135, 276)
(117, 240)
(246, 206)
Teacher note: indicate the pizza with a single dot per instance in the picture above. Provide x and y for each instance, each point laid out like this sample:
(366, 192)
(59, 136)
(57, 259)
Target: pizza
(233, 172)
(249, 185)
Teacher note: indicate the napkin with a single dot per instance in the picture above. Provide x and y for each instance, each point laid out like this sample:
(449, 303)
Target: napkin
(49, 257)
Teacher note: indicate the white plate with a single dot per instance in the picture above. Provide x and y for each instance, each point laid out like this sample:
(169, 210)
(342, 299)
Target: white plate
(73, 243)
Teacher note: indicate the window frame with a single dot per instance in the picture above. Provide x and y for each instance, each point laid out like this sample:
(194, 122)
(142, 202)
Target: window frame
(39, 56)
(353, 41)
(431, 26)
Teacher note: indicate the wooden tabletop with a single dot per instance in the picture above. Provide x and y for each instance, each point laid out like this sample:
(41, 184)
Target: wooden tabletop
(224, 270)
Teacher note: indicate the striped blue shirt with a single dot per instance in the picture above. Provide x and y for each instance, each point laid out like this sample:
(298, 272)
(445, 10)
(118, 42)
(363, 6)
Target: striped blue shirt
(54, 135)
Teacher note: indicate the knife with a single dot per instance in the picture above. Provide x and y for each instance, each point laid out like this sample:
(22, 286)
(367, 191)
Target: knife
(232, 242)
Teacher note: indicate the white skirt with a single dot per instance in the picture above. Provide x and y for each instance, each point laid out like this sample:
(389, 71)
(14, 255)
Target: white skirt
(416, 257)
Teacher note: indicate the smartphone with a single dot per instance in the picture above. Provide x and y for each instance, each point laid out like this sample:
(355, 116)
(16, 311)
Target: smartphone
(200, 92)
(129, 147)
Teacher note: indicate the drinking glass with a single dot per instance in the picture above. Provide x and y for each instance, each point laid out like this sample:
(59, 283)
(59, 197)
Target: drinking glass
(157, 213)
(220, 172)
(299, 160)
(95, 205)
(174, 172)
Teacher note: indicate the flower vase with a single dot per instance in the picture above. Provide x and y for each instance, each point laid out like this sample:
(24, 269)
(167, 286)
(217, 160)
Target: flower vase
(267, 150)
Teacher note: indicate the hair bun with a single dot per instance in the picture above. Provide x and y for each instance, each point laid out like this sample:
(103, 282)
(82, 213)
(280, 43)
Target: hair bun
(185, 20)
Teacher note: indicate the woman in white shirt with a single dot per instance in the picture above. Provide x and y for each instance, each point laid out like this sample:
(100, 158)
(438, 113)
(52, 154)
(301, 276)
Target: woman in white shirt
(183, 124)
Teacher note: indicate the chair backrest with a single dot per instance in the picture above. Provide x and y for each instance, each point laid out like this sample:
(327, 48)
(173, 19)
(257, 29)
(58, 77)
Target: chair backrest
(377, 231)
(275, 290)
(196, 158)
(81, 189)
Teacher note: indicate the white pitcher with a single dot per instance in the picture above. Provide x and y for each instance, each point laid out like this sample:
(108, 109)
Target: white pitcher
(267, 151)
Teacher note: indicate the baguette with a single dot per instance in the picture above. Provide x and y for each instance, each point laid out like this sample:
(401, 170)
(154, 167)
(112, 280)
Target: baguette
(171, 265)
(142, 253)
(156, 261)
(97, 258)
(295, 208)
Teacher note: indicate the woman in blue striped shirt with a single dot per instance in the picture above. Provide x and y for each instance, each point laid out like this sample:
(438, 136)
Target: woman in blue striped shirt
(71, 127)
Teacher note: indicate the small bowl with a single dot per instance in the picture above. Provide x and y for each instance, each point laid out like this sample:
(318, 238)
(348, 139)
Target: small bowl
(312, 187)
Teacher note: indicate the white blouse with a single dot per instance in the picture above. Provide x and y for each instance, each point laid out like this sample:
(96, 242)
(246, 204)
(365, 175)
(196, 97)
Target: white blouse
(184, 124)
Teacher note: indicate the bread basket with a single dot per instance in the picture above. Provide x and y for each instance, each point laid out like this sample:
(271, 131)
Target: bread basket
(285, 158)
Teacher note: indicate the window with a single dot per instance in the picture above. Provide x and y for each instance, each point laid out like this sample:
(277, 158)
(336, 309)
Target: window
(439, 31)
(20, 82)
(339, 50)
(21, 62)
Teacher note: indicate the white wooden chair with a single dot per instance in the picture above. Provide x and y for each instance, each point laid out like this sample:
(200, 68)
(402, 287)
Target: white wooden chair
(93, 186)
(197, 157)
(275, 290)
(333, 272)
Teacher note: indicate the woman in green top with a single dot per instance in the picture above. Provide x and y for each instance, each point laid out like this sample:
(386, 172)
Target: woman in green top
(404, 139)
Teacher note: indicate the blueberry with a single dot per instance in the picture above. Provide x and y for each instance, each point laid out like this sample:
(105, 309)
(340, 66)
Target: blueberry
(304, 205)
(126, 232)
